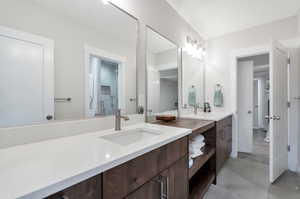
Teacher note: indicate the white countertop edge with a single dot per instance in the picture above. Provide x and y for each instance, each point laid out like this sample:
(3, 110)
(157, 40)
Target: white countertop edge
(214, 117)
(54, 188)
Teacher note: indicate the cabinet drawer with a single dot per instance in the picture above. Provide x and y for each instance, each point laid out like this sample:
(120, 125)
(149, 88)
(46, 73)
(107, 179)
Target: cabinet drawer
(122, 180)
(88, 189)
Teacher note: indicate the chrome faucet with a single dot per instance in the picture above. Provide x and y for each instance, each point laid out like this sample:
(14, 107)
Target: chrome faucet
(118, 120)
(196, 107)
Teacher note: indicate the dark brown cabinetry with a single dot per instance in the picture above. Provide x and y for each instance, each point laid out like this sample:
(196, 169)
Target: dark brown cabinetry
(171, 183)
(122, 180)
(88, 189)
(224, 141)
(203, 171)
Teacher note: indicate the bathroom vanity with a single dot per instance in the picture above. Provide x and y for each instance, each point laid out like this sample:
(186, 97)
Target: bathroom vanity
(142, 177)
(141, 161)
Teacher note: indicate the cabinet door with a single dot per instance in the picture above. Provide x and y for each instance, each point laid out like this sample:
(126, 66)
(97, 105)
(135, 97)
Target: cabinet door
(220, 149)
(169, 184)
(124, 179)
(88, 189)
(176, 180)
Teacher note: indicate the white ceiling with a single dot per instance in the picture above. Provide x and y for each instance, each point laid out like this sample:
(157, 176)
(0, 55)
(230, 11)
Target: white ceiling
(212, 18)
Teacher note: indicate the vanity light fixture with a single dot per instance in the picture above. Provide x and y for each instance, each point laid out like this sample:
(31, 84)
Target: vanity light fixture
(194, 48)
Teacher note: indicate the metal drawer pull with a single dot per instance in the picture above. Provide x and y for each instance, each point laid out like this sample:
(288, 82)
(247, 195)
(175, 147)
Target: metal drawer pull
(164, 187)
(167, 188)
(161, 182)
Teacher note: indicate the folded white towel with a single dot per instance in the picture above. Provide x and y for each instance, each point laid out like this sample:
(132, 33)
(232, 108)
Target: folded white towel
(196, 154)
(191, 162)
(197, 145)
(198, 138)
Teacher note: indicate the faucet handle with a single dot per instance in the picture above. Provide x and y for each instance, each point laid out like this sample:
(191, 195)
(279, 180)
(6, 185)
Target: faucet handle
(118, 112)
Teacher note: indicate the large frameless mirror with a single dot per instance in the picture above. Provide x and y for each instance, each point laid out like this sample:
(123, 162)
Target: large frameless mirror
(162, 76)
(192, 82)
(65, 59)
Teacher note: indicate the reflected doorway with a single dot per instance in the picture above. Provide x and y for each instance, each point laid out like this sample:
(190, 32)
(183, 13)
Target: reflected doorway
(104, 83)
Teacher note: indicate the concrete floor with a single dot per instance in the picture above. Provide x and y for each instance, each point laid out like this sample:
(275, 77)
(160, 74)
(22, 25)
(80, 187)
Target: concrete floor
(247, 178)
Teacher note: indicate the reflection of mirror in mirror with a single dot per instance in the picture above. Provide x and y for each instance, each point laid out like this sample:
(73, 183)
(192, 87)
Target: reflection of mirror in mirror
(162, 74)
(192, 81)
(65, 59)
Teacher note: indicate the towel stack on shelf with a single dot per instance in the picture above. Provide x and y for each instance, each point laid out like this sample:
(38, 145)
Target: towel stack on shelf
(195, 147)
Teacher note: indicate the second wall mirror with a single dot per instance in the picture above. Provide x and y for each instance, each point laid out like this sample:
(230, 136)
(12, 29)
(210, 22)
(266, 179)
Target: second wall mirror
(162, 76)
(192, 82)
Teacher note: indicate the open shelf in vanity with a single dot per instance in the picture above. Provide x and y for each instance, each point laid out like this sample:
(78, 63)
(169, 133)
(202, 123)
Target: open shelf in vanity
(203, 171)
(208, 152)
(200, 184)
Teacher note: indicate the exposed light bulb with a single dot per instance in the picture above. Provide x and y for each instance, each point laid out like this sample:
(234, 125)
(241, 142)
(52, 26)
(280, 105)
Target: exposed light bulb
(105, 2)
(194, 49)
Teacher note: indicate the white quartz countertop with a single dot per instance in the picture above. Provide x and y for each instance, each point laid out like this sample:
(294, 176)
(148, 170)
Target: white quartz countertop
(38, 170)
(215, 116)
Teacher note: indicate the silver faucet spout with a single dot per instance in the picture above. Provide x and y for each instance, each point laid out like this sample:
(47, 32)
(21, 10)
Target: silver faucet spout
(196, 106)
(118, 118)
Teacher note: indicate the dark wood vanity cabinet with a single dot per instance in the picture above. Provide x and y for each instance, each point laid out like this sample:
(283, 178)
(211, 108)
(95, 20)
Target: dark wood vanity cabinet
(88, 189)
(171, 183)
(160, 173)
(142, 176)
(163, 172)
(224, 141)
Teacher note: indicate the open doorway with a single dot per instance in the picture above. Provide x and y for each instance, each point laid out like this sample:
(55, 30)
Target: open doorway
(254, 106)
(278, 119)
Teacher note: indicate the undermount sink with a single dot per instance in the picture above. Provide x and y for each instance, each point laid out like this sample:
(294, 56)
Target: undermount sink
(129, 137)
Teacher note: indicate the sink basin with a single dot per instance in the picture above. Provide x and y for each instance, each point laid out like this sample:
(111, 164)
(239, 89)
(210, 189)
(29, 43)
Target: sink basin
(129, 137)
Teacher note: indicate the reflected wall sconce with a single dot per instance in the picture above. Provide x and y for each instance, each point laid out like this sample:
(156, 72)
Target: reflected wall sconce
(194, 48)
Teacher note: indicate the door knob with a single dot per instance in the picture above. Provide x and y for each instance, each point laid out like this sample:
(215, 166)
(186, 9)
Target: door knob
(249, 112)
(276, 117)
(267, 117)
(49, 117)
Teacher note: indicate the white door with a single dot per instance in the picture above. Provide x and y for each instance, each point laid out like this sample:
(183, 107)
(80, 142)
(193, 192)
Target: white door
(255, 104)
(245, 106)
(278, 111)
(26, 79)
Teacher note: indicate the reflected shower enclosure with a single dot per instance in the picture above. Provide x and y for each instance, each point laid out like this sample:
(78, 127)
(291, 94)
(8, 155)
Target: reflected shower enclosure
(103, 84)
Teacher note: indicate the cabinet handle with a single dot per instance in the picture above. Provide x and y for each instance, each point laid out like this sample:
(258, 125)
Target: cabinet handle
(167, 188)
(162, 187)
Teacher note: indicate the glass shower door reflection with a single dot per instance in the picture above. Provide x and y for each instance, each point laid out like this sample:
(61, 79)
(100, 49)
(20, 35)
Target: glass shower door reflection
(105, 95)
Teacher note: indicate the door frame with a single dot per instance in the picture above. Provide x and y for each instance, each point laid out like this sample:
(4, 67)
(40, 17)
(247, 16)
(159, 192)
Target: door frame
(246, 149)
(48, 62)
(234, 56)
(88, 51)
